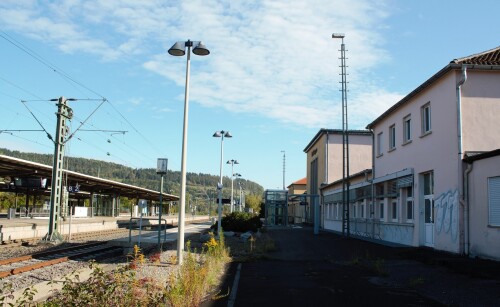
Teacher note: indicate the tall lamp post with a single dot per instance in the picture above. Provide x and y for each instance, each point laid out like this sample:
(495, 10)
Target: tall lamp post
(345, 140)
(179, 49)
(232, 162)
(220, 134)
(161, 169)
(242, 206)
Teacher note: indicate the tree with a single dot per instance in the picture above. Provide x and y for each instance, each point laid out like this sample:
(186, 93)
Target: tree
(253, 201)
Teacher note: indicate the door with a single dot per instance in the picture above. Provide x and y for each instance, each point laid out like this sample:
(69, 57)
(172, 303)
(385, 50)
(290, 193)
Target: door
(429, 221)
(428, 179)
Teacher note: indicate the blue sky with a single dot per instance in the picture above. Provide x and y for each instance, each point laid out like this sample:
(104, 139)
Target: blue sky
(272, 78)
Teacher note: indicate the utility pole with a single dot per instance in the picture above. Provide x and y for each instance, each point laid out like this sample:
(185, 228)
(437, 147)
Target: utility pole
(345, 140)
(283, 169)
(64, 113)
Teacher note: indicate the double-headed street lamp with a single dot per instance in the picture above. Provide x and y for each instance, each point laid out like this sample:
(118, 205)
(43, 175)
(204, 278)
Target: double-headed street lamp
(232, 162)
(179, 49)
(221, 134)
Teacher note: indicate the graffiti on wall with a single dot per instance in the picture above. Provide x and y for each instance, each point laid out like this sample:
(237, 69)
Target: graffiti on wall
(446, 214)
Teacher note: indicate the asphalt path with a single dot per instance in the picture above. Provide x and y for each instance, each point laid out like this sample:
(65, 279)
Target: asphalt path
(330, 270)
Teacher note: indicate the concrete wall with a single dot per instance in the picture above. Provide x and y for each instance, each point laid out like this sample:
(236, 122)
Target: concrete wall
(484, 239)
(328, 151)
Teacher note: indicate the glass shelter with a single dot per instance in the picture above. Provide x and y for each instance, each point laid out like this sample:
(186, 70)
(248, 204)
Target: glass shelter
(276, 206)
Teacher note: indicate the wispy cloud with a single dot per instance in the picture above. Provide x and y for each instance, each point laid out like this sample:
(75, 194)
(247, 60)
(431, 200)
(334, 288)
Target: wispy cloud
(271, 58)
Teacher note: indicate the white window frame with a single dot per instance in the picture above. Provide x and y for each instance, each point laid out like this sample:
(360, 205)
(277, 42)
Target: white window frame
(380, 144)
(394, 209)
(381, 210)
(426, 119)
(392, 137)
(407, 129)
(409, 204)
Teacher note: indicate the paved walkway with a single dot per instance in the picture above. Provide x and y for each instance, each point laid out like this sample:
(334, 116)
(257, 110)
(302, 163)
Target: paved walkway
(330, 270)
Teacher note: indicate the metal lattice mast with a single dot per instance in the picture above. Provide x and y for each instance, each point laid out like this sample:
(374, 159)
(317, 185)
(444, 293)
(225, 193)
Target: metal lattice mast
(283, 168)
(345, 140)
(63, 113)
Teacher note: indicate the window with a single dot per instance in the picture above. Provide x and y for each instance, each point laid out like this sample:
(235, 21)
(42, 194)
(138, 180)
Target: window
(394, 209)
(381, 210)
(380, 144)
(409, 203)
(354, 211)
(426, 118)
(392, 137)
(362, 210)
(406, 129)
(494, 201)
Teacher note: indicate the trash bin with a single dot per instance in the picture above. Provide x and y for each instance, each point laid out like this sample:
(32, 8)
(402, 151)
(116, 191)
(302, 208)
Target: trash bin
(11, 214)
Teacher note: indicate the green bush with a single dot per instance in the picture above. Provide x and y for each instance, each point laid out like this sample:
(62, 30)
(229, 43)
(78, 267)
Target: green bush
(241, 222)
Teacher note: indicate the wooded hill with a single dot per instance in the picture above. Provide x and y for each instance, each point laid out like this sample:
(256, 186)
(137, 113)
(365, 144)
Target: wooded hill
(198, 186)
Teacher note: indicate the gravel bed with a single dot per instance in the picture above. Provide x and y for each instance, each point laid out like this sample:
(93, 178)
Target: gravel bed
(51, 273)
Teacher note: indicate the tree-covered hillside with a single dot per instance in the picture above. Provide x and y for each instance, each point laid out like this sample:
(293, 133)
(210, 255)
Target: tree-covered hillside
(198, 186)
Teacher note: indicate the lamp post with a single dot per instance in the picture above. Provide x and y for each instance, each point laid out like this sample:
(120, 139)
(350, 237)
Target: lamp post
(232, 162)
(221, 134)
(179, 49)
(345, 140)
(161, 169)
(241, 199)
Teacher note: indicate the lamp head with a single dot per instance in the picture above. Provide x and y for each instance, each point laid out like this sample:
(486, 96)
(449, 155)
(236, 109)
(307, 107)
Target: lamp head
(217, 134)
(228, 135)
(200, 49)
(338, 35)
(178, 49)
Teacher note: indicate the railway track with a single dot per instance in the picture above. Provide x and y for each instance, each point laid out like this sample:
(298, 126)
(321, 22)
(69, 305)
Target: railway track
(80, 236)
(81, 252)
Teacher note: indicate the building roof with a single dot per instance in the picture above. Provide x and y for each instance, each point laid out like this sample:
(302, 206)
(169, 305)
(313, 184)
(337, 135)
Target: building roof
(487, 60)
(352, 176)
(472, 156)
(14, 167)
(302, 181)
(489, 57)
(333, 131)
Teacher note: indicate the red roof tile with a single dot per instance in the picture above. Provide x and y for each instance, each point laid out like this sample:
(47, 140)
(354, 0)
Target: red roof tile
(489, 57)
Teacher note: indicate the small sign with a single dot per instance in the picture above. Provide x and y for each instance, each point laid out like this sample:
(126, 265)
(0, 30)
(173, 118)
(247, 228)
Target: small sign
(161, 166)
(74, 189)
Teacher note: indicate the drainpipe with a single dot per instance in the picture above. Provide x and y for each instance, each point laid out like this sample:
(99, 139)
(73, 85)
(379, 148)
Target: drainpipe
(460, 175)
(465, 204)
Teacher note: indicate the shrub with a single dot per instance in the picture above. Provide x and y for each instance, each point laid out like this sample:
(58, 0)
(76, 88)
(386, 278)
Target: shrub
(241, 222)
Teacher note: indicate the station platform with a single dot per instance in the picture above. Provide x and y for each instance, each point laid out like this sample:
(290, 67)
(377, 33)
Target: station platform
(18, 229)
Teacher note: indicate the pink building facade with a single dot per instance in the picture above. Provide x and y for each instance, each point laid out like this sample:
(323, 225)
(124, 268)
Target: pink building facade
(420, 192)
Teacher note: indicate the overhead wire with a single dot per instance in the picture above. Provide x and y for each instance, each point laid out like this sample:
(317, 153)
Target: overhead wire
(63, 74)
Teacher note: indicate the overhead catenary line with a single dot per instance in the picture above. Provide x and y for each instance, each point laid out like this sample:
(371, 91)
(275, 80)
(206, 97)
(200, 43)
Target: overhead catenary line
(48, 134)
(65, 75)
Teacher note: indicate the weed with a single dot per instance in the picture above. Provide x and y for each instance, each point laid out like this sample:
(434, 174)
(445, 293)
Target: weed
(416, 281)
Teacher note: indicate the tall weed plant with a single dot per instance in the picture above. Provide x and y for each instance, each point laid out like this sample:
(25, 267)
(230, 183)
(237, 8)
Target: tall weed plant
(188, 286)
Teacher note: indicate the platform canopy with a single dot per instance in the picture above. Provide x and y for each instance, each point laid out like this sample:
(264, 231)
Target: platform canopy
(80, 185)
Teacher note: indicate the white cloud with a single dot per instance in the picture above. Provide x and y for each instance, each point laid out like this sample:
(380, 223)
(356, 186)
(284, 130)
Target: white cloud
(275, 59)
